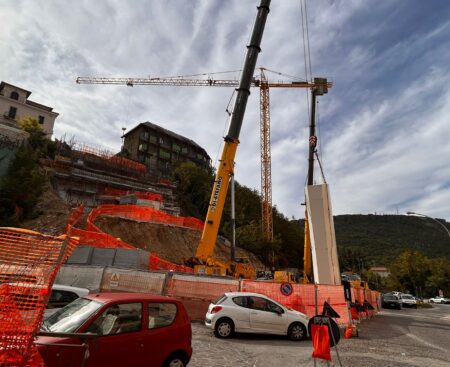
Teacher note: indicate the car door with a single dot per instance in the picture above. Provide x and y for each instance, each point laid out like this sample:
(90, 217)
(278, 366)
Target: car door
(240, 313)
(164, 332)
(265, 318)
(120, 340)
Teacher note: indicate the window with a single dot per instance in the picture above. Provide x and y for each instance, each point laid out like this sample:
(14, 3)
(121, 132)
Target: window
(144, 135)
(41, 120)
(14, 95)
(164, 154)
(199, 156)
(12, 112)
(161, 314)
(240, 301)
(118, 319)
(153, 139)
(61, 298)
(184, 150)
(176, 147)
(143, 147)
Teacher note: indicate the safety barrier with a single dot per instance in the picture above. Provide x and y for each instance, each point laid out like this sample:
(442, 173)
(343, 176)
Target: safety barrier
(146, 214)
(197, 292)
(302, 298)
(97, 239)
(29, 262)
(156, 263)
(122, 280)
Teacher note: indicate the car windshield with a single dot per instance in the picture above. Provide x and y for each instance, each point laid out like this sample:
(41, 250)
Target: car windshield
(407, 297)
(69, 318)
(390, 298)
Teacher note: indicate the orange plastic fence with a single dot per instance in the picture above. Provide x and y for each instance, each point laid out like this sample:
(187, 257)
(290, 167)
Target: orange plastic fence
(75, 215)
(29, 262)
(139, 194)
(97, 239)
(302, 297)
(156, 263)
(140, 213)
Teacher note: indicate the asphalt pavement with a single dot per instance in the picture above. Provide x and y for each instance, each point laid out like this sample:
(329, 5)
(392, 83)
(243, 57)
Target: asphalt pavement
(397, 338)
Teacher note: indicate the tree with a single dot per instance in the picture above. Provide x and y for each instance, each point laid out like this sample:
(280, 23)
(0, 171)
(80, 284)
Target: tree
(410, 272)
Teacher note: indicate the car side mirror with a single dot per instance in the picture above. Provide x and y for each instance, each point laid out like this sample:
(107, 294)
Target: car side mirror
(279, 311)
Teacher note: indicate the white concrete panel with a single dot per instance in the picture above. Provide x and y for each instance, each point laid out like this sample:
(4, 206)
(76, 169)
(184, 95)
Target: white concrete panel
(323, 239)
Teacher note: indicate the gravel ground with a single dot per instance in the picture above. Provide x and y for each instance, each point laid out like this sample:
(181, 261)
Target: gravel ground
(392, 338)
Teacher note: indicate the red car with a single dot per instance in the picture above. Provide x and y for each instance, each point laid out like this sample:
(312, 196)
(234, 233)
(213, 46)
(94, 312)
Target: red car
(117, 329)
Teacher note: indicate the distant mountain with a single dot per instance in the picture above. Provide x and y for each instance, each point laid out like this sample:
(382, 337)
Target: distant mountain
(381, 238)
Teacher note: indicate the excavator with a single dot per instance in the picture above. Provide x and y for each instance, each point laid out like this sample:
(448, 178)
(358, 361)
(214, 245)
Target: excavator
(204, 261)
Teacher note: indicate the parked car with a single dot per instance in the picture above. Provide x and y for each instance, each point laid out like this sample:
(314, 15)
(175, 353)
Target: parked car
(439, 299)
(62, 295)
(254, 313)
(408, 300)
(391, 301)
(129, 329)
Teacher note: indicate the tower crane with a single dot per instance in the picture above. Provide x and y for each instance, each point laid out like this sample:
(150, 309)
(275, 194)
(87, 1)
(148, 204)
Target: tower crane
(264, 86)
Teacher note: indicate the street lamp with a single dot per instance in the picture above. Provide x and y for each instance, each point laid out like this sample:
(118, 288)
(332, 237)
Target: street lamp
(426, 216)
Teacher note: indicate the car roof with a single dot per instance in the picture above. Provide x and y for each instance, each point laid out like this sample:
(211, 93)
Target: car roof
(62, 287)
(237, 294)
(128, 297)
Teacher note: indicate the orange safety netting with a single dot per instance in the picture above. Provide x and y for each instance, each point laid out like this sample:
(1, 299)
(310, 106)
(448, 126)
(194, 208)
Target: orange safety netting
(302, 297)
(29, 262)
(75, 215)
(146, 214)
(139, 194)
(97, 239)
(156, 263)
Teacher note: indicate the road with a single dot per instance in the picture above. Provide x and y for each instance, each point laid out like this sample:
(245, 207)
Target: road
(392, 338)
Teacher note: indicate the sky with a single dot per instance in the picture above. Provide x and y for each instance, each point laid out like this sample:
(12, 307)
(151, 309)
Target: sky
(383, 128)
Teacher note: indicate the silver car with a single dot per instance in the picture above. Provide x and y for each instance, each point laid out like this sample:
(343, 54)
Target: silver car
(254, 313)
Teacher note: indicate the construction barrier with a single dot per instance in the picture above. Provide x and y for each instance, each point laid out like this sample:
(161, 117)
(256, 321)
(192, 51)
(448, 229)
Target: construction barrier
(198, 292)
(145, 214)
(302, 298)
(156, 263)
(29, 262)
(97, 238)
(123, 280)
(89, 277)
(75, 216)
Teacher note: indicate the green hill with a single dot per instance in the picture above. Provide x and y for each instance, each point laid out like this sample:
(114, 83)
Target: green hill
(379, 239)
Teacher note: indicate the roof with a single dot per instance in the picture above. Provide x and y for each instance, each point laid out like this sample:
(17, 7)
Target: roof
(38, 105)
(167, 132)
(119, 297)
(3, 84)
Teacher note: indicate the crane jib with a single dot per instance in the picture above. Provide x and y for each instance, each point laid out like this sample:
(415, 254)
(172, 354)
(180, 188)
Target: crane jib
(216, 194)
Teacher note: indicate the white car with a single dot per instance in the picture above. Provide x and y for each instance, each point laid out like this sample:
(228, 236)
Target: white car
(439, 299)
(254, 313)
(408, 300)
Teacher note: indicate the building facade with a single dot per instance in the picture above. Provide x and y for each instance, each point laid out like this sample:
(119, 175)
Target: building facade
(14, 105)
(161, 149)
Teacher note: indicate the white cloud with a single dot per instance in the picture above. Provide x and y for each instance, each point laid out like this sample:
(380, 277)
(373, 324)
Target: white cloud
(384, 126)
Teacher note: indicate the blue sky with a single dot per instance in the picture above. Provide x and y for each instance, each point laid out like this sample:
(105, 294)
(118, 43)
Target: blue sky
(384, 127)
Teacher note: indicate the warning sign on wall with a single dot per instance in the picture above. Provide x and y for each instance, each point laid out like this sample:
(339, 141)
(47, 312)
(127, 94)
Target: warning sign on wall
(114, 282)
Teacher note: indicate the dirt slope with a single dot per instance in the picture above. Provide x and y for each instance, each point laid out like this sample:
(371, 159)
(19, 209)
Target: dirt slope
(169, 242)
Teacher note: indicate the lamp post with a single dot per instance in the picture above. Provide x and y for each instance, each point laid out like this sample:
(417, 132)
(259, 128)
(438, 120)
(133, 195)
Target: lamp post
(426, 216)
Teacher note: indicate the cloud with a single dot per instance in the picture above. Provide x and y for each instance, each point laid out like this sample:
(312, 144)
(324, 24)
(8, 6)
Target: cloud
(383, 127)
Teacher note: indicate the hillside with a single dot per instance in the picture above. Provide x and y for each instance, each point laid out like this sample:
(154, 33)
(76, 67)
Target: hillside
(378, 239)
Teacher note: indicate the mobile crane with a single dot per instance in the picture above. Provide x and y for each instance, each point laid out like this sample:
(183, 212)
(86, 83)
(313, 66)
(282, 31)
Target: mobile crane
(203, 261)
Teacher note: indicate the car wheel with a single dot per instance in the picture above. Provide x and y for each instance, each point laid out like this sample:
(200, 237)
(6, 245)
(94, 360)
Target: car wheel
(297, 331)
(431, 301)
(175, 360)
(224, 328)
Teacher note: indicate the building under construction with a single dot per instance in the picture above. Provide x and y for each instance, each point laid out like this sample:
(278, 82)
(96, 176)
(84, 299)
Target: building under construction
(84, 174)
